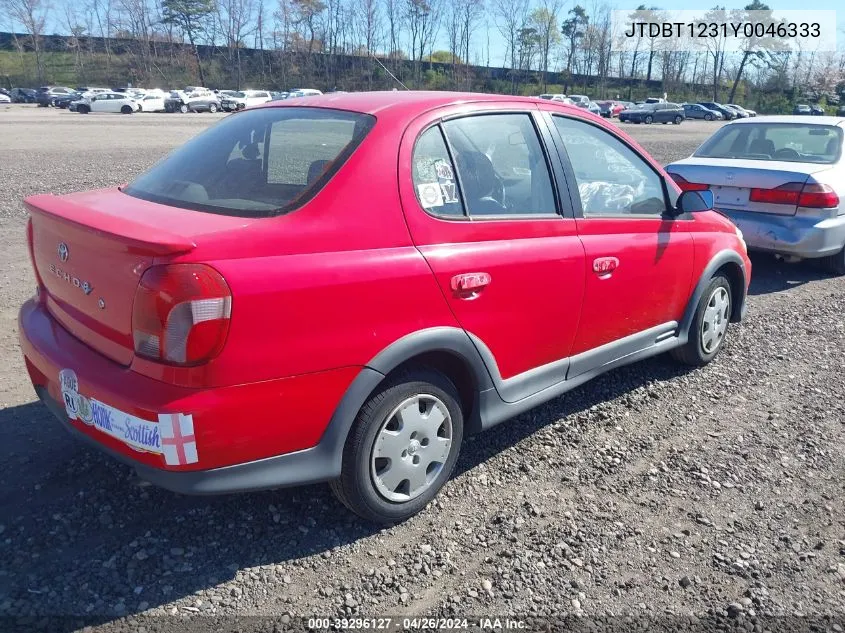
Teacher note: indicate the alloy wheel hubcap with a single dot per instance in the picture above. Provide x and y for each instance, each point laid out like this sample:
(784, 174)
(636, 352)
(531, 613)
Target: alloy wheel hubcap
(715, 321)
(411, 448)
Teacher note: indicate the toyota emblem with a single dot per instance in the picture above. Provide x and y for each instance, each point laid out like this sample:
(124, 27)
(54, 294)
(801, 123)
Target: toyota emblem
(63, 252)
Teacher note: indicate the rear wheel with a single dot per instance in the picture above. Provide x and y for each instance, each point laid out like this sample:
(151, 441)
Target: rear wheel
(649, 119)
(677, 120)
(126, 110)
(83, 109)
(183, 108)
(212, 108)
(402, 448)
(836, 263)
(709, 326)
(708, 117)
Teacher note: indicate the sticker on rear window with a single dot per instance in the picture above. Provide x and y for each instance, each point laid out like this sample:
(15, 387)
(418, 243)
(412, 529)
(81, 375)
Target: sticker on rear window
(430, 195)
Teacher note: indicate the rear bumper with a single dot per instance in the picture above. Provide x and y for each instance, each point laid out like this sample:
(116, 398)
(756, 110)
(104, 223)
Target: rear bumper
(244, 437)
(790, 235)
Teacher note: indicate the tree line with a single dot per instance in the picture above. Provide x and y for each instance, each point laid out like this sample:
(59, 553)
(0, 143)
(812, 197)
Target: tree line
(540, 45)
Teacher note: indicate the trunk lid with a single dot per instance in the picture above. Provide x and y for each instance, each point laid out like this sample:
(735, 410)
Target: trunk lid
(90, 251)
(731, 181)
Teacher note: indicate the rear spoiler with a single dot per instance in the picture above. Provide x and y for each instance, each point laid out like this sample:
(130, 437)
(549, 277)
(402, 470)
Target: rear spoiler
(135, 236)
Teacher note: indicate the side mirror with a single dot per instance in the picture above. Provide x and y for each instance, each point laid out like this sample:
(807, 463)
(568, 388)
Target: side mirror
(693, 201)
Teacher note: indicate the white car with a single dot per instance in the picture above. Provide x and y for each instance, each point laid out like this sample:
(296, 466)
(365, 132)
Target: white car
(4, 98)
(108, 102)
(152, 103)
(556, 97)
(245, 99)
(781, 179)
(304, 92)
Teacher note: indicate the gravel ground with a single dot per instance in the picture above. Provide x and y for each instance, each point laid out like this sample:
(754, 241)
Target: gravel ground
(653, 493)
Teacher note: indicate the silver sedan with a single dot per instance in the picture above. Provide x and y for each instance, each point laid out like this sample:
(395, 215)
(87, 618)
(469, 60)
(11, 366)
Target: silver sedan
(781, 179)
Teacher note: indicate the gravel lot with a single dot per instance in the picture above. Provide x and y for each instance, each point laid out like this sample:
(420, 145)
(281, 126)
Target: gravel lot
(653, 492)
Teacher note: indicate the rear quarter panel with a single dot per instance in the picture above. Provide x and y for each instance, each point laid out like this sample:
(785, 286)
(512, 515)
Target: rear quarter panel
(327, 286)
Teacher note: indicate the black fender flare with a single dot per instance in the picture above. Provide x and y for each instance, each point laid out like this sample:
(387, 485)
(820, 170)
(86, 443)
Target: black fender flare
(726, 256)
(451, 340)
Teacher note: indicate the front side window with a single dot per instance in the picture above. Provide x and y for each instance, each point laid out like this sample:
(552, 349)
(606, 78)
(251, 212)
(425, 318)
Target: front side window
(501, 166)
(260, 163)
(612, 179)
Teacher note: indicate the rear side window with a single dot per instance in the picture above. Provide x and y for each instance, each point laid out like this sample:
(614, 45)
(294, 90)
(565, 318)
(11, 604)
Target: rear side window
(434, 176)
(260, 163)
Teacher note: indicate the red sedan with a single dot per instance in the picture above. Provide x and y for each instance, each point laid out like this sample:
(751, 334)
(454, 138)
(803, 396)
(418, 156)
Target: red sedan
(342, 288)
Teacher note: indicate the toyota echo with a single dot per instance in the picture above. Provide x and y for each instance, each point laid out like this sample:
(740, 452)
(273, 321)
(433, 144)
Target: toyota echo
(341, 290)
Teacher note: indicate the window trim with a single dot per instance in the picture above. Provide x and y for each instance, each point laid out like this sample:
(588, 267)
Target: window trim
(579, 211)
(467, 216)
(440, 216)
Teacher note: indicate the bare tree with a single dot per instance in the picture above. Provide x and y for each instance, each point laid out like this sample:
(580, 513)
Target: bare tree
(32, 16)
(544, 20)
(236, 20)
(510, 16)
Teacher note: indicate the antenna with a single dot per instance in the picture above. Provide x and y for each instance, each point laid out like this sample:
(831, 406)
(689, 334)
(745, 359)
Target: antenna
(378, 61)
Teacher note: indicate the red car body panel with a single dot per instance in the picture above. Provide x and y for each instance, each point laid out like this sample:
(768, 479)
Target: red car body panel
(320, 294)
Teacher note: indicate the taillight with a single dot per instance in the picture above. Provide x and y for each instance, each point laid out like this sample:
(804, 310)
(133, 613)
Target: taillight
(812, 195)
(686, 185)
(30, 245)
(181, 314)
(818, 196)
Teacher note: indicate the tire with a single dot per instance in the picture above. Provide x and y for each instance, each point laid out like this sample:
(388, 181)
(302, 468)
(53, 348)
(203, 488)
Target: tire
(708, 117)
(183, 108)
(83, 109)
(126, 110)
(835, 263)
(374, 494)
(713, 315)
(649, 119)
(677, 120)
(212, 107)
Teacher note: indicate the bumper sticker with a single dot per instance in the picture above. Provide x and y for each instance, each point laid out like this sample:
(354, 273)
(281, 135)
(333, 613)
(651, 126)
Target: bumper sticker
(172, 436)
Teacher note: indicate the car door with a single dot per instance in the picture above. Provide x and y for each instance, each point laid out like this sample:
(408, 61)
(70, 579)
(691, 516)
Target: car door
(99, 103)
(480, 195)
(639, 261)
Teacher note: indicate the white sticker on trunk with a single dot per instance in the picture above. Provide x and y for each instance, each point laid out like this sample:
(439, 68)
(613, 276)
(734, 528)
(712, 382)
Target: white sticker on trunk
(172, 436)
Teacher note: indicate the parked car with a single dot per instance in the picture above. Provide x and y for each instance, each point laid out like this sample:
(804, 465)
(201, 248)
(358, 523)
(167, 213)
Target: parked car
(115, 102)
(610, 109)
(578, 99)
(278, 96)
(840, 111)
(245, 99)
(192, 100)
(64, 101)
(149, 336)
(47, 95)
(698, 111)
(781, 180)
(655, 100)
(23, 95)
(817, 110)
(555, 97)
(727, 113)
(151, 103)
(653, 113)
(740, 113)
(304, 92)
(802, 109)
(750, 113)
(4, 98)
(592, 107)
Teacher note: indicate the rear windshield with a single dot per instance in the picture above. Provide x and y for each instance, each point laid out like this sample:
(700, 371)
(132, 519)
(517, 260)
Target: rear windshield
(257, 163)
(792, 142)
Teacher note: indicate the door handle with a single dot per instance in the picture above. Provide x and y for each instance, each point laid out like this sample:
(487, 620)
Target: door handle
(604, 266)
(470, 284)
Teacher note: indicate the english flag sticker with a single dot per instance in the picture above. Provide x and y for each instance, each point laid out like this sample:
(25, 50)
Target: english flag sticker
(178, 443)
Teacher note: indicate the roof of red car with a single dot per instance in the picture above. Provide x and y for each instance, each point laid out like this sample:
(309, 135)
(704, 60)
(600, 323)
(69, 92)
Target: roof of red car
(417, 100)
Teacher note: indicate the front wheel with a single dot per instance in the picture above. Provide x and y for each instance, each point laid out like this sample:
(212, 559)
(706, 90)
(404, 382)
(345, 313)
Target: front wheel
(83, 109)
(709, 326)
(649, 119)
(126, 110)
(212, 108)
(677, 120)
(708, 117)
(402, 447)
(183, 108)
